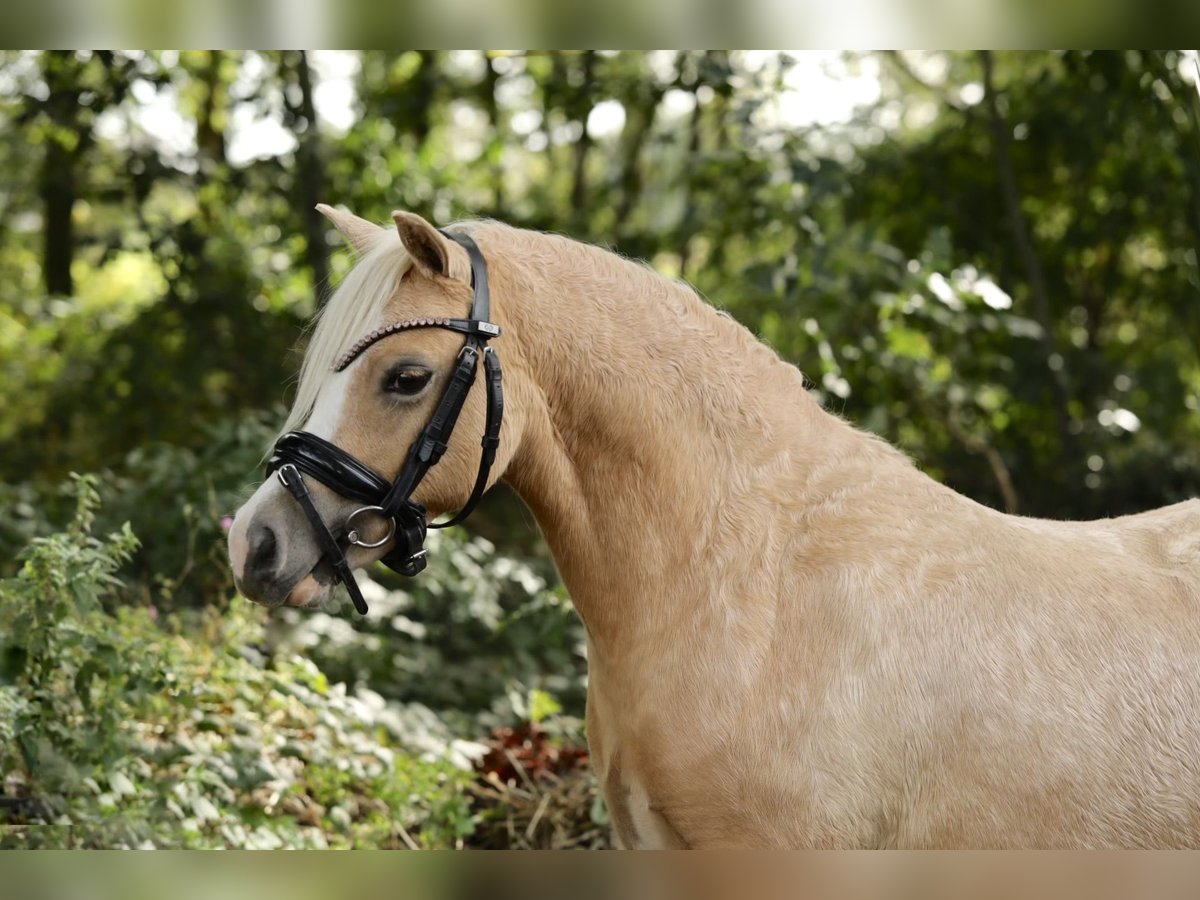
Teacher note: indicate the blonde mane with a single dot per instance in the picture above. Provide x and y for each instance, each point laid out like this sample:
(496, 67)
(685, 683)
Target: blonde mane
(354, 309)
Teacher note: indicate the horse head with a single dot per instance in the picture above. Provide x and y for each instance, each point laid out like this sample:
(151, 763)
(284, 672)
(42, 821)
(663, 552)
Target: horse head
(388, 419)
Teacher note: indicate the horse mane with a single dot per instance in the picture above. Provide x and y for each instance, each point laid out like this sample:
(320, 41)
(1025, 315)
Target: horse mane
(665, 305)
(354, 309)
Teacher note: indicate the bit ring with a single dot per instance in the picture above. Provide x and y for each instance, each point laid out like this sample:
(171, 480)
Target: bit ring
(352, 533)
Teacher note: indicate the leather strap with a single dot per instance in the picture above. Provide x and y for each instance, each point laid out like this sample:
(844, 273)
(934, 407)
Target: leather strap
(431, 443)
(481, 302)
(491, 436)
(435, 437)
(330, 465)
(292, 480)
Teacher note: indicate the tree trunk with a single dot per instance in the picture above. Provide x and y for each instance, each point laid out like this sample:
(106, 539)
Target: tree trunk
(690, 219)
(210, 137)
(310, 178)
(424, 89)
(58, 200)
(57, 181)
(582, 108)
(491, 104)
(640, 110)
(1034, 273)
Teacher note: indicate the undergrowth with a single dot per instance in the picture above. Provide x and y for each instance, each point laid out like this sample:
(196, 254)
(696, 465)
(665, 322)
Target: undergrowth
(121, 726)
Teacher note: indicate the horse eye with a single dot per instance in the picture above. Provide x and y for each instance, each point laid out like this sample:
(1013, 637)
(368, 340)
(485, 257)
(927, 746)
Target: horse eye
(406, 380)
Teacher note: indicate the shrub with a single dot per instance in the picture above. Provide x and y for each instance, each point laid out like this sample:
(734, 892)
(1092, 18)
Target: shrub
(174, 496)
(119, 730)
(473, 638)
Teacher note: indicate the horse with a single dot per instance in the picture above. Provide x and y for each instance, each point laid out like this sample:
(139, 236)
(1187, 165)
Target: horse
(795, 637)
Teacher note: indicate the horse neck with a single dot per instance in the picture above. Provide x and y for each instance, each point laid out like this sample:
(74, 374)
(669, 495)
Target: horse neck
(656, 429)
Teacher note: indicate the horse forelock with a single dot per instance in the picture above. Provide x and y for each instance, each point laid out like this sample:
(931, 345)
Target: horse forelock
(355, 308)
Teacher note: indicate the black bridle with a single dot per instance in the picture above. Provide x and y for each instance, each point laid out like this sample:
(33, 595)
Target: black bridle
(299, 453)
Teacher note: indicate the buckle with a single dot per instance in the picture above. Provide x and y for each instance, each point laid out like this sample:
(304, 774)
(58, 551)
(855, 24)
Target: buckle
(414, 565)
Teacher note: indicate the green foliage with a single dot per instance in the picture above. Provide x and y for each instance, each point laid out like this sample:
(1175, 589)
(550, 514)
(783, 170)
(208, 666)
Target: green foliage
(55, 650)
(995, 264)
(175, 496)
(469, 639)
(191, 271)
(118, 731)
(1089, 410)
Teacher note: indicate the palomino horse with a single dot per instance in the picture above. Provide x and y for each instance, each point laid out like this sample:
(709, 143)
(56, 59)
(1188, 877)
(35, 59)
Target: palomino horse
(796, 639)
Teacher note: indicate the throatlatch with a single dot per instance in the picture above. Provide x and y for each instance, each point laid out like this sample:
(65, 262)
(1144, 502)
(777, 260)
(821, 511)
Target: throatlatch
(299, 453)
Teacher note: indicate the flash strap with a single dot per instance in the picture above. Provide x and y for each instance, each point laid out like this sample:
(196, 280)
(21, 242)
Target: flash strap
(290, 478)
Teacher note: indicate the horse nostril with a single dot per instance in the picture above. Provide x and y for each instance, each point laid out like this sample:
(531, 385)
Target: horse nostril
(264, 552)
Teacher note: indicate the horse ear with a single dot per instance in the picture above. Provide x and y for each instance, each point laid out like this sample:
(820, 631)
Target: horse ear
(424, 243)
(359, 233)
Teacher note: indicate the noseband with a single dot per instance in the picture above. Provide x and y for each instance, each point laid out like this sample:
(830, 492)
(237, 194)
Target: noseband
(299, 453)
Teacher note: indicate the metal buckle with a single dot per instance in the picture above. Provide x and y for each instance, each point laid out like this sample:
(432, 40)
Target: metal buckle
(352, 533)
(413, 565)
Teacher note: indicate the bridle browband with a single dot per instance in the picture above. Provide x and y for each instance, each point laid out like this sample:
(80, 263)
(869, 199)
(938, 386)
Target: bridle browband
(299, 453)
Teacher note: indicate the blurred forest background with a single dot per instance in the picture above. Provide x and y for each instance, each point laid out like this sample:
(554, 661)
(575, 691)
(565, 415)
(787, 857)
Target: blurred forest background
(989, 259)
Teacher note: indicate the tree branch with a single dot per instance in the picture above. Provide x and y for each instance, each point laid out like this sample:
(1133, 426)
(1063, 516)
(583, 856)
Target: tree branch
(995, 461)
(940, 93)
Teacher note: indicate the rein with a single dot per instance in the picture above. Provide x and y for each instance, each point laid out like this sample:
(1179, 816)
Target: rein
(300, 453)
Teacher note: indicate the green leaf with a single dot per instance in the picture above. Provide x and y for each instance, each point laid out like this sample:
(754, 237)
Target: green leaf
(83, 683)
(121, 785)
(542, 706)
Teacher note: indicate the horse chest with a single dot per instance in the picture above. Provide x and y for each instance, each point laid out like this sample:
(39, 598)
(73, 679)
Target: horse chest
(643, 752)
(639, 818)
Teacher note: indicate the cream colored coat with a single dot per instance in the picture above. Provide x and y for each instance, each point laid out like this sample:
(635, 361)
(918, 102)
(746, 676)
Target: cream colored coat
(796, 638)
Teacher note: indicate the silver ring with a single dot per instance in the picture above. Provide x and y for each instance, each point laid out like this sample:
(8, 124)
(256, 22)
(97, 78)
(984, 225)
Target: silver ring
(352, 533)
